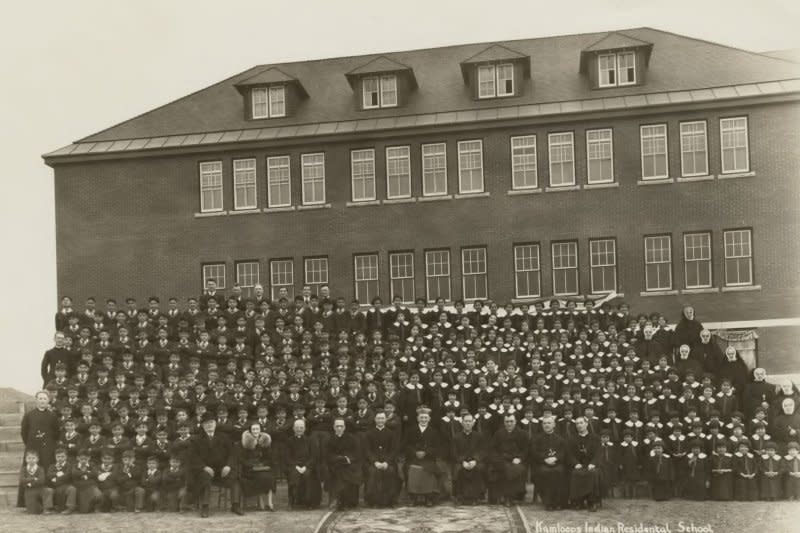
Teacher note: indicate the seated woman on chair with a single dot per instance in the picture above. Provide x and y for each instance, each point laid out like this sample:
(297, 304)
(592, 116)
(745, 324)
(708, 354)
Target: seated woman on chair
(255, 460)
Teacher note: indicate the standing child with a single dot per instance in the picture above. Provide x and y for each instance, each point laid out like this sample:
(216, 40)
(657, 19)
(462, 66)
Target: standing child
(696, 470)
(659, 471)
(629, 463)
(32, 480)
(770, 465)
(792, 467)
(721, 473)
(745, 469)
(608, 464)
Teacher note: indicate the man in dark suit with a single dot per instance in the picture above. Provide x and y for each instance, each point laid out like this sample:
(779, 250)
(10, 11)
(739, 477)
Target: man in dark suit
(212, 460)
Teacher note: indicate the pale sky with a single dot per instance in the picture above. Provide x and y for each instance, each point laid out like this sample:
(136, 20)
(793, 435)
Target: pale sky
(73, 68)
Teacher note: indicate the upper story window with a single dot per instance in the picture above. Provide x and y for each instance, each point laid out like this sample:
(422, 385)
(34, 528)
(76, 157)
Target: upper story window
(562, 159)
(733, 135)
(269, 102)
(379, 91)
(210, 186)
(496, 80)
(654, 151)
(617, 69)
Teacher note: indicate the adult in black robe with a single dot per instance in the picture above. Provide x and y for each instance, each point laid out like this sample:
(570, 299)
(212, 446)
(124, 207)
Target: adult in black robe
(423, 446)
(469, 456)
(548, 465)
(707, 352)
(212, 459)
(734, 368)
(584, 455)
(380, 449)
(39, 431)
(509, 458)
(758, 393)
(343, 460)
(58, 354)
(786, 427)
(688, 329)
(302, 468)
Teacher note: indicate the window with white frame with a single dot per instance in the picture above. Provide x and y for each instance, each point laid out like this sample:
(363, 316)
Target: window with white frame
(316, 272)
(470, 166)
(268, 102)
(247, 275)
(654, 152)
(600, 156)
(565, 268)
(216, 272)
(527, 271)
(524, 173)
(473, 273)
(281, 274)
(434, 169)
(738, 257)
(437, 274)
(617, 69)
(694, 149)
(733, 136)
(313, 169)
(210, 186)
(697, 260)
(366, 277)
(562, 159)
(379, 91)
(398, 172)
(244, 184)
(603, 265)
(362, 165)
(495, 80)
(658, 263)
(279, 190)
(401, 273)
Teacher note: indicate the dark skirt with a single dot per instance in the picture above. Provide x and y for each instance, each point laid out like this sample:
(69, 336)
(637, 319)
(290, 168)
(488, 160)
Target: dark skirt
(257, 482)
(745, 490)
(382, 486)
(584, 484)
(470, 485)
(722, 486)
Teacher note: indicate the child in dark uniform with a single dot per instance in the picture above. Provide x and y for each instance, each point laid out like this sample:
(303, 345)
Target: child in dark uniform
(721, 473)
(696, 471)
(745, 469)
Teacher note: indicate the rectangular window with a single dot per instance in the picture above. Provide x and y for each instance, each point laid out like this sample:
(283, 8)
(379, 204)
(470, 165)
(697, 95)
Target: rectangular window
(379, 91)
(523, 162)
(738, 257)
(494, 81)
(362, 166)
(565, 268)
(733, 135)
(259, 102)
(505, 80)
(654, 152)
(617, 69)
(316, 272)
(434, 169)
(470, 166)
(279, 181)
(244, 184)
(281, 273)
(215, 271)
(398, 172)
(277, 102)
(697, 260)
(211, 186)
(437, 275)
(486, 81)
(401, 272)
(658, 263)
(607, 64)
(313, 169)
(247, 276)
(473, 273)
(527, 271)
(626, 68)
(562, 159)
(600, 156)
(694, 150)
(603, 262)
(366, 277)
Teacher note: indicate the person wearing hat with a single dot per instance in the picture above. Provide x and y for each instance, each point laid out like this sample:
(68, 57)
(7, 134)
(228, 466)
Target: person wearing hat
(423, 446)
(256, 460)
(659, 471)
(770, 467)
(548, 464)
(211, 459)
(745, 470)
(696, 471)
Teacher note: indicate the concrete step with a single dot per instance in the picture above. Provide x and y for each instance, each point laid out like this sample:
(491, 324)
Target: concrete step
(9, 478)
(10, 433)
(10, 461)
(10, 419)
(13, 406)
(13, 446)
(8, 498)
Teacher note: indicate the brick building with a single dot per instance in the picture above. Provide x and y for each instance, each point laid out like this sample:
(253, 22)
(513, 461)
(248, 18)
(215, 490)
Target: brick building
(659, 166)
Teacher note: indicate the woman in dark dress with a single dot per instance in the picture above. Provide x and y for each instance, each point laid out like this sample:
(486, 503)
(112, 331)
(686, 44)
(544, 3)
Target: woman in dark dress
(688, 329)
(255, 460)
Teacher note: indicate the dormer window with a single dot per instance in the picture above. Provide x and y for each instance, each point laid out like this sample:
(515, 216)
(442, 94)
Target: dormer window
(379, 91)
(496, 81)
(617, 69)
(269, 102)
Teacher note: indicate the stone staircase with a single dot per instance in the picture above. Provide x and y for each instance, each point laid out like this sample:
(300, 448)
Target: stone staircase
(12, 407)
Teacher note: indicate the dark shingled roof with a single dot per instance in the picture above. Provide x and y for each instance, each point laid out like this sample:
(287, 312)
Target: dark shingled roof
(676, 63)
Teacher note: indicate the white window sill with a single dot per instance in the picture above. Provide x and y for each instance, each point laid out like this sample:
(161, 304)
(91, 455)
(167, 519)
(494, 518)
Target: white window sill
(656, 181)
(244, 211)
(733, 175)
(278, 209)
(658, 293)
(741, 288)
(703, 290)
(363, 204)
(608, 185)
(564, 188)
(526, 300)
(472, 195)
(211, 214)
(604, 294)
(523, 192)
(390, 201)
(690, 179)
(436, 198)
(313, 206)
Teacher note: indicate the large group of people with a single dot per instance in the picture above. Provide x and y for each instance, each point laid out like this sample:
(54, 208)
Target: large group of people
(145, 407)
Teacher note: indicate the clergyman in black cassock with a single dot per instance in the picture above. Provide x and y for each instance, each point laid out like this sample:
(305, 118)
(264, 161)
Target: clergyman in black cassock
(548, 463)
(469, 454)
